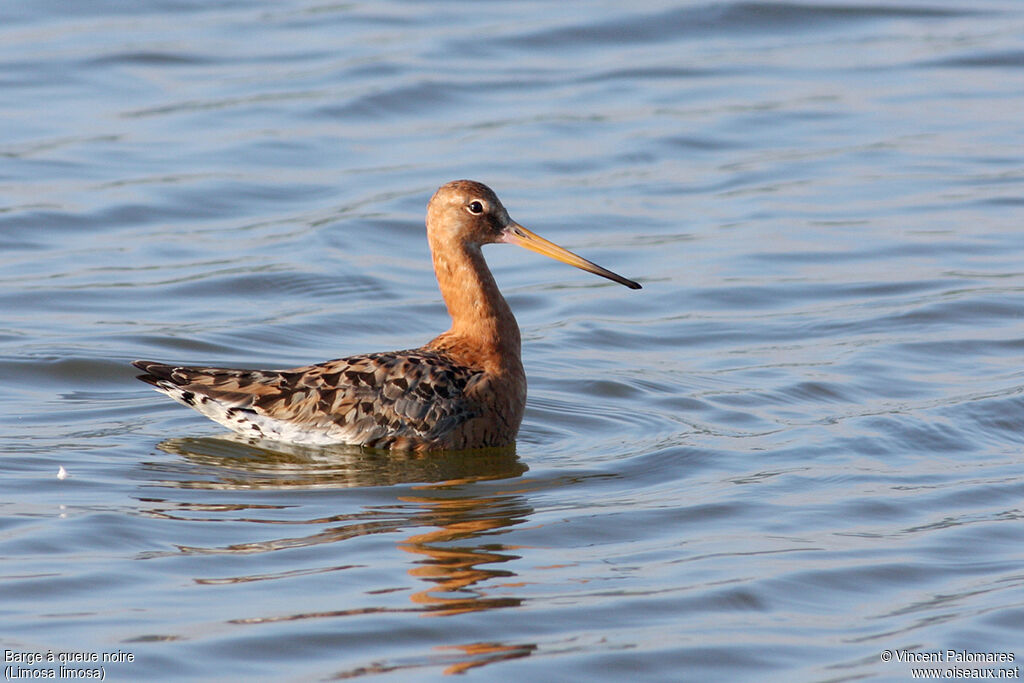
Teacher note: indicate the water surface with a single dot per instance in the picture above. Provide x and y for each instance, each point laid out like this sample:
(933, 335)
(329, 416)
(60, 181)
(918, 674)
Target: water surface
(797, 448)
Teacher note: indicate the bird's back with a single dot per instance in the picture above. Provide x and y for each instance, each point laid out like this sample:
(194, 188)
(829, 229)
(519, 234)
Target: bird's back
(417, 399)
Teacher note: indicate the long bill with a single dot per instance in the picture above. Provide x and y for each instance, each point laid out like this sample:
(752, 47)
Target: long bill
(517, 234)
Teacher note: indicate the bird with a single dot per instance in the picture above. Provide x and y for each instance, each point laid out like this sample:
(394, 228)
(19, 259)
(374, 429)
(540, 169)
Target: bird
(463, 390)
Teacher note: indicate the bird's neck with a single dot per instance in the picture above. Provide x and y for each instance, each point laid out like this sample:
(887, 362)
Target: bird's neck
(484, 331)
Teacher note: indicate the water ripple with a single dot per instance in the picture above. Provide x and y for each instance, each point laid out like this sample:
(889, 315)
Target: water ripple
(798, 446)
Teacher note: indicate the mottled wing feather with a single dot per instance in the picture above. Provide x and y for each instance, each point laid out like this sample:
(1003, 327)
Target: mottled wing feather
(382, 399)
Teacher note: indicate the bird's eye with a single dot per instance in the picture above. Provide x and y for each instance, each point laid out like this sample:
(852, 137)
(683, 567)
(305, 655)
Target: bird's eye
(475, 207)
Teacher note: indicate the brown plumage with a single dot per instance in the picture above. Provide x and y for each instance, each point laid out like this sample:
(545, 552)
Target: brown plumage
(464, 389)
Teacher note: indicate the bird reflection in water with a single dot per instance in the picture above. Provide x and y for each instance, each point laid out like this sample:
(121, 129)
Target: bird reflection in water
(457, 552)
(232, 462)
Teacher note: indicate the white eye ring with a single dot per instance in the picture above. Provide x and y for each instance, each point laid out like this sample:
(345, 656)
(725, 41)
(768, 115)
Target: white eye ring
(476, 207)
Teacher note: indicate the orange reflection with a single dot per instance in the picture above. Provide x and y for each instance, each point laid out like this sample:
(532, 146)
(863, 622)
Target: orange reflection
(482, 654)
(453, 569)
(456, 544)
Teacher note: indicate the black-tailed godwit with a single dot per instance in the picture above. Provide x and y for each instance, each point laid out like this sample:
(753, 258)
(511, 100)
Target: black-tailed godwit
(465, 389)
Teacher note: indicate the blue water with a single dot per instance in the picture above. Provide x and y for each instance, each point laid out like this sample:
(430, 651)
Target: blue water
(797, 449)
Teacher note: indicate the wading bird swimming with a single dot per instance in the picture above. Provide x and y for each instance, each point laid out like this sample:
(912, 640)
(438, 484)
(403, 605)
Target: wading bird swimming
(464, 389)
